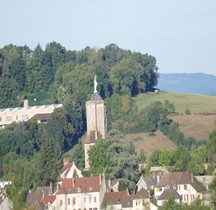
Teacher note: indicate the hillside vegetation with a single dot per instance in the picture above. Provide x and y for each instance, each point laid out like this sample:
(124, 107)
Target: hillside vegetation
(148, 143)
(198, 124)
(195, 103)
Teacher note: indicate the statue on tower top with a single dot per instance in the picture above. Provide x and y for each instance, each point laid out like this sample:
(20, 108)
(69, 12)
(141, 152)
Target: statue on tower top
(95, 84)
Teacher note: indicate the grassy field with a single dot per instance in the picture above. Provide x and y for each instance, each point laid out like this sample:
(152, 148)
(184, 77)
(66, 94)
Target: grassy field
(196, 124)
(142, 141)
(195, 103)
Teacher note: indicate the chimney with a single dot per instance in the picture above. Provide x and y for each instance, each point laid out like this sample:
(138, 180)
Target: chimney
(25, 103)
(73, 180)
(65, 161)
(100, 182)
(51, 187)
(192, 178)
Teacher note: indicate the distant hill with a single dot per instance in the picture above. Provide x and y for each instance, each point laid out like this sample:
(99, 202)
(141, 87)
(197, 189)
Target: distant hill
(194, 83)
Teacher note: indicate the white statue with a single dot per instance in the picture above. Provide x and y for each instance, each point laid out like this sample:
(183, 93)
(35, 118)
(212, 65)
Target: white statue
(95, 84)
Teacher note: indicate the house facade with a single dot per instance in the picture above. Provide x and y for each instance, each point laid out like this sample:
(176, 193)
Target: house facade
(85, 193)
(183, 183)
(147, 183)
(22, 114)
(124, 201)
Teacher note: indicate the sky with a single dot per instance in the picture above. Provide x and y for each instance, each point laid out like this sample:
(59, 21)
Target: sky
(180, 34)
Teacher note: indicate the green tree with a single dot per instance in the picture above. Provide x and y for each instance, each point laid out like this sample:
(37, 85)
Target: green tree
(76, 155)
(212, 186)
(211, 146)
(181, 158)
(116, 158)
(154, 159)
(171, 204)
(98, 160)
(164, 157)
(50, 160)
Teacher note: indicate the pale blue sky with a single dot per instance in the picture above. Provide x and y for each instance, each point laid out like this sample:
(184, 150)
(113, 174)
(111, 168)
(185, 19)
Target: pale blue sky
(180, 34)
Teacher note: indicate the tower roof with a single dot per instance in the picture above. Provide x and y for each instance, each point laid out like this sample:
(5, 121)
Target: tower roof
(95, 96)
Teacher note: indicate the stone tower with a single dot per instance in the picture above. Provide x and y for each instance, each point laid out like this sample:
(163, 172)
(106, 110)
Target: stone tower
(96, 121)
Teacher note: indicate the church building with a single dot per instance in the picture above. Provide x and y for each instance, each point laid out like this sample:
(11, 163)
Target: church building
(96, 121)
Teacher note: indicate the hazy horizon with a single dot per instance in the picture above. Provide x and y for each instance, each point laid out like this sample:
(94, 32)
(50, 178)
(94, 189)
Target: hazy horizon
(181, 35)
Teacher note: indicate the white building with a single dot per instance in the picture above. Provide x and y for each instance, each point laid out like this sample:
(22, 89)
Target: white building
(183, 183)
(22, 114)
(80, 193)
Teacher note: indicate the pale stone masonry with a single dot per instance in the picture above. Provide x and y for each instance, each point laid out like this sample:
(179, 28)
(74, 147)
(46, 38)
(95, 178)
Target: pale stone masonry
(96, 121)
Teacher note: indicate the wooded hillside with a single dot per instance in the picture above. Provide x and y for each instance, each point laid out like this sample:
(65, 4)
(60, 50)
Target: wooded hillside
(54, 74)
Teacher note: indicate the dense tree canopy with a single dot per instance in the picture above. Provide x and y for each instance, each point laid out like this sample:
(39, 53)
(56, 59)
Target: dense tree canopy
(116, 158)
(25, 72)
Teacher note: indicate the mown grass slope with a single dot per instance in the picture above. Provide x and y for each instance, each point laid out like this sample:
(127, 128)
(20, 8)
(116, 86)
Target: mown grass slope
(198, 124)
(195, 103)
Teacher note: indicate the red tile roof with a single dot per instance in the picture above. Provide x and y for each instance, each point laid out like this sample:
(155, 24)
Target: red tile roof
(113, 198)
(142, 194)
(176, 178)
(48, 199)
(127, 201)
(93, 136)
(83, 184)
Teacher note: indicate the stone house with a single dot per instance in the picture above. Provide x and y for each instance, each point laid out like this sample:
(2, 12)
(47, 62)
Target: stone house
(166, 194)
(147, 183)
(124, 201)
(183, 183)
(82, 193)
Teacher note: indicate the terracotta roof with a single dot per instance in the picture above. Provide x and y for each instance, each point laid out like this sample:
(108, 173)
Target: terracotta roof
(169, 193)
(171, 179)
(113, 198)
(127, 201)
(93, 136)
(142, 194)
(66, 167)
(82, 185)
(48, 198)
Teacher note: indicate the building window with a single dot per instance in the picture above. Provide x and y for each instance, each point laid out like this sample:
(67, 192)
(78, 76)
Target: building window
(0, 119)
(61, 202)
(84, 199)
(94, 208)
(89, 199)
(95, 199)
(68, 201)
(74, 201)
(185, 187)
(9, 118)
